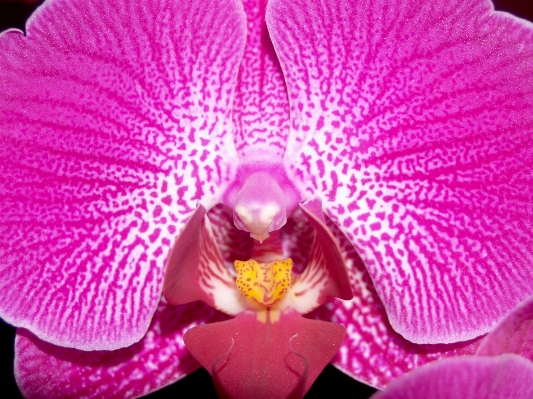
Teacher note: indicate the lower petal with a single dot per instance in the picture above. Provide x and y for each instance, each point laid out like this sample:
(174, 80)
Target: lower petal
(44, 371)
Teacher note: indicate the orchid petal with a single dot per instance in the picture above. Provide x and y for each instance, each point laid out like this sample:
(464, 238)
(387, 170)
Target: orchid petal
(115, 121)
(412, 119)
(471, 377)
(261, 106)
(45, 371)
(372, 351)
(196, 270)
(251, 358)
(325, 276)
(514, 334)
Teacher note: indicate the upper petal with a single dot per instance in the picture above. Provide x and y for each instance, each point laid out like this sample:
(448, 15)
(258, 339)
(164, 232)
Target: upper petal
(115, 120)
(471, 377)
(413, 120)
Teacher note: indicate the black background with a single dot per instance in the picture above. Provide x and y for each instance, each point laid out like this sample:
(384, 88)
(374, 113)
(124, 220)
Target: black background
(331, 383)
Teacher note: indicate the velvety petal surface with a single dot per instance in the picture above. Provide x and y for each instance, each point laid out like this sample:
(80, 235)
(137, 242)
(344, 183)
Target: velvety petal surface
(413, 120)
(45, 371)
(372, 351)
(115, 120)
(261, 105)
(514, 334)
(196, 270)
(251, 358)
(471, 377)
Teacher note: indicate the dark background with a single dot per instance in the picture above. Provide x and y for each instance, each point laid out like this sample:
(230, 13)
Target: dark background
(331, 383)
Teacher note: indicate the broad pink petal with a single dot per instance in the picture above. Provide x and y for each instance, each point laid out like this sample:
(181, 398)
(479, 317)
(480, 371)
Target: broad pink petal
(196, 271)
(45, 371)
(471, 377)
(412, 119)
(514, 334)
(326, 275)
(248, 358)
(372, 351)
(115, 120)
(261, 106)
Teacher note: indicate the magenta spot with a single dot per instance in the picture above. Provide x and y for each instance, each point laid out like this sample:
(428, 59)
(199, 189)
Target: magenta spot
(321, 168)
(144, 226)
(375, 226)
(157, 211)
(167, 200)
(320, 123)
(153, 237)
(370, 203)
(348, 222)
(352, 206)
(385, 237)
(364, 217)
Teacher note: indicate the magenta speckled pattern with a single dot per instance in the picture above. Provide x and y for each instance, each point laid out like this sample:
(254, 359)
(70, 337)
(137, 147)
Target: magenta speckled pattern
(45, 371)
(413, 121)
(372, 351)
(115, 120)
(261, 106)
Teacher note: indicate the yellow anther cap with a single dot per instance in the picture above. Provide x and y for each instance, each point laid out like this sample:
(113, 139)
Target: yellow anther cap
(264, 284)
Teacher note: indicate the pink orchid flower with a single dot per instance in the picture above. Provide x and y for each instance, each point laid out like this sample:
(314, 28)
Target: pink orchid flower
(410, 119)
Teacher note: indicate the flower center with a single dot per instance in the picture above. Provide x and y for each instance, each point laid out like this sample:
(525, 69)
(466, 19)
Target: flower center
(264, 284)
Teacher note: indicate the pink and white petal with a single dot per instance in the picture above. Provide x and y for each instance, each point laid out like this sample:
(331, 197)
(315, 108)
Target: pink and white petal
(469, 377)
(196, 270)
(514, 334)
(115, 121)
(261, 105)
(297, 240)
(251, 358)
(325, 276)
(412, 119)
(372, 351)
(44, 371)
